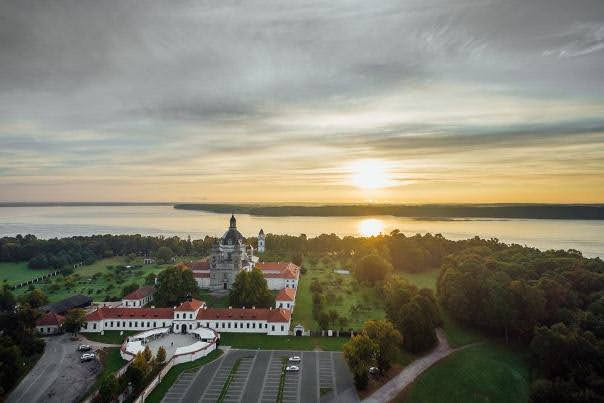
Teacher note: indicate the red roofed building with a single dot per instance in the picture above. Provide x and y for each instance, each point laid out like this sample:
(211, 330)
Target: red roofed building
(51, 323)
(191, 315)
(286, 298)
(138, 298)
(280, 275)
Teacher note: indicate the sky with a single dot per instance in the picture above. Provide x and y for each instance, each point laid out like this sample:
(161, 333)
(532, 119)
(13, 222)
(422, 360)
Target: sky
(420, 101)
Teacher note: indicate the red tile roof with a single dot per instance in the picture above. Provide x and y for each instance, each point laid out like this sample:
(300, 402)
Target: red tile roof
(285, 269)
(199, 265)
(50, 319)
(270, 315)
(286, 294)
(197, 274)
(130, 313)
(141, 292)
(192, 305)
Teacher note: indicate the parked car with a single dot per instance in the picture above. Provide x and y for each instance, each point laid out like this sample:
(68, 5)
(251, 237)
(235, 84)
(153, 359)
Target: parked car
(374, 370)
(87, 357)
(292, 368)
(295, 358)
(84, 347)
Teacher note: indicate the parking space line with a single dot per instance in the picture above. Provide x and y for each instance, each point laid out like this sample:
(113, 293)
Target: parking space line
(333, 373)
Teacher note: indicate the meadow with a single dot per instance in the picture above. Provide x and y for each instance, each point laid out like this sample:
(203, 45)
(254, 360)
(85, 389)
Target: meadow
(101, 280)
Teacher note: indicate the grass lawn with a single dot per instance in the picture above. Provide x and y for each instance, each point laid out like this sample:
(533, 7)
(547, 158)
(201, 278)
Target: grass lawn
(160, 390)
(422, 280)
(110, 336)
(264, 342)
(484, 373)
(214, 301)
(342, 293)
(14, 273)
(95, 280)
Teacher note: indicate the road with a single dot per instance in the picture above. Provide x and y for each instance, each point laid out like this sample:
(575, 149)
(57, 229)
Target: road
(393, 387)
(58, 376)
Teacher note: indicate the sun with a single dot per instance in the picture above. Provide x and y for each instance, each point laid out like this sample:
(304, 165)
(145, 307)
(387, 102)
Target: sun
(371, 174)
(371, 227)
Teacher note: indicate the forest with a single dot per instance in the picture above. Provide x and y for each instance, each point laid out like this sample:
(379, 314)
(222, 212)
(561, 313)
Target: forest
(427, 211)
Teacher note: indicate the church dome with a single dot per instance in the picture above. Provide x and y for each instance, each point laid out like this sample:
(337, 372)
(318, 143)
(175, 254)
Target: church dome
(232, 236)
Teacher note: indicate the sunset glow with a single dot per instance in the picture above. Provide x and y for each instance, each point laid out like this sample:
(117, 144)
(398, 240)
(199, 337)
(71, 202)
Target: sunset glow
(371, 227)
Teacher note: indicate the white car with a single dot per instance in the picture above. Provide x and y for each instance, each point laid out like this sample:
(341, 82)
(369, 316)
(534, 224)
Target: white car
(295, 358)
(84, 347)
(292, 368)
(374, 370)
(87, 357)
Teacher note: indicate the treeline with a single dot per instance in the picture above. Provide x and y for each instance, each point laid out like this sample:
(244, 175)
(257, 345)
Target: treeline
(59, 253)
(544, 211)
(551, 301)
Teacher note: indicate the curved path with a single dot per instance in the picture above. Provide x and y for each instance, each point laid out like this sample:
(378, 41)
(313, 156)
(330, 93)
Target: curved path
(394, 386)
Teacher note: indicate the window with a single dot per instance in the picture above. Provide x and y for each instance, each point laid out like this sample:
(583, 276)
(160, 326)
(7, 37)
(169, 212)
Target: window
(111, 323)
(154, 324)
(163, 324)
(253, 325)
(266, 325)
(248, 325)
(191, 316)
(123, 324)
(135, 324)
(117, 323)
(127, 303)
(229, 326)
(273, 328)
(216, 325)
(94, 326)
(235, 325)
(288, 305)
(281, 327)
(223, 325)
(280, 304)
(207, 324)
(47, 330)
(176, 316)
(148, 324)
(190, 326)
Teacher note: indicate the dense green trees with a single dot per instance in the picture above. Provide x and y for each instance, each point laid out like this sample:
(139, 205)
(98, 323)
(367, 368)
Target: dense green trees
(360, 353)
(372, 269)
(74, 320)
(414, 313)
(175, 285)
(387, 339)
(19, 343)
(164, 254)
(552, 300)
(250, 289)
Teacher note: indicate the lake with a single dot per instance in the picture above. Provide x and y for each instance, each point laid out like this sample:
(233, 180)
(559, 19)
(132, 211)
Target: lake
(50, 222)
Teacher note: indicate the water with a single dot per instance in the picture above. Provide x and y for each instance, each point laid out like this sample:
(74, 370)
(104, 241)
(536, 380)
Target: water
(50, 222)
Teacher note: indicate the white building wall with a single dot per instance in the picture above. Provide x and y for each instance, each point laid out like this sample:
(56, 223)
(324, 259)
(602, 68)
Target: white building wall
(49, 329)
(285, 304)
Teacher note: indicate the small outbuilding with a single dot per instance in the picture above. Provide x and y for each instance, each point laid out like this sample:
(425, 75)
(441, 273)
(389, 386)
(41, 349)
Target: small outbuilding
(51, 323)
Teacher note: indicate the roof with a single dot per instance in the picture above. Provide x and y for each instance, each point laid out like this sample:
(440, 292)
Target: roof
(233, 236)
(197, 274)
(286, 294)
(141, 292)
(64, 305)
(199, 265)
(130, 313)
(192, 305)
(261, 232)
(270, 315)
(50, 319)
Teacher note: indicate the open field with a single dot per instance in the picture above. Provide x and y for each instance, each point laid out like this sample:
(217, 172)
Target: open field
(97, 280)
(14, 273)
(342, 292)
(483, 373)
(261, 341)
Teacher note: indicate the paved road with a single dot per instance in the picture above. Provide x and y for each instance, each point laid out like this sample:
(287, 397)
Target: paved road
(58, 375)
(323, 377)
(393, 387)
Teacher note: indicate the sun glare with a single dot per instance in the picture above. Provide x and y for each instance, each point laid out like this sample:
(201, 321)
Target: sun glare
(371, 227)
(371, 175)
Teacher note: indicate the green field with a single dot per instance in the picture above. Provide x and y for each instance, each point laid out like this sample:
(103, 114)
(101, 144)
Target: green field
(109, 336)
(160, 390)
(342, 292)
(482, 373)
(15, 273)
(263, 342)
(95, 280)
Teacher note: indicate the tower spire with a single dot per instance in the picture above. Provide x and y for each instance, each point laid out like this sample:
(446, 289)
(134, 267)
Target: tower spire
(233, 221)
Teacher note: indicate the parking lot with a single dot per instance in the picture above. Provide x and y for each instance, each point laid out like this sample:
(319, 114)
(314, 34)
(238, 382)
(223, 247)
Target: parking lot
(256, 376)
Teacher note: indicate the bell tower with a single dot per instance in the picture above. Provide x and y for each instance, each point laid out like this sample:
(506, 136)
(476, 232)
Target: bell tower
(261, 241)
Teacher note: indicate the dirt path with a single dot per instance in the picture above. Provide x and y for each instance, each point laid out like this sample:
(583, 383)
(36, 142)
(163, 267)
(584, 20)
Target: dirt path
(394, 386)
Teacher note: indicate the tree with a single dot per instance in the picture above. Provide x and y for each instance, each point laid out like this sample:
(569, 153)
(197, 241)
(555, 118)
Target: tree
(161, 355)
(373, 269)
(323, 320)
(35, 298)
(388, 340)
(150, 279)
(108, 388)
(333, 317)
(164, 254)
(175, 285)
(416, 327)
(137, 371)
(147, 354)
(360, 354)
(250, 289)
(74, 320)
(7, 299)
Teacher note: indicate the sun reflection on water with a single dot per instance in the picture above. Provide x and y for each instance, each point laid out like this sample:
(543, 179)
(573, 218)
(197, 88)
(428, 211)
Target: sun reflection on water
(371, 227)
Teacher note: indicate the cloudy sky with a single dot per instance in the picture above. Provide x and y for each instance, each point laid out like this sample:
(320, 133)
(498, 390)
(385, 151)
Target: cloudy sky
(309, 101)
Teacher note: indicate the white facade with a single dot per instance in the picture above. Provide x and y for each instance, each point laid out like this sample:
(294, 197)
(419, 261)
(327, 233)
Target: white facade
(48, 329)
(279, 283)
(261, 241)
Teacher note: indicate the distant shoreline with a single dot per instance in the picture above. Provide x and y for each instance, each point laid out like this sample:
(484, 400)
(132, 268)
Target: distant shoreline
(425, 212)
(81, 204)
